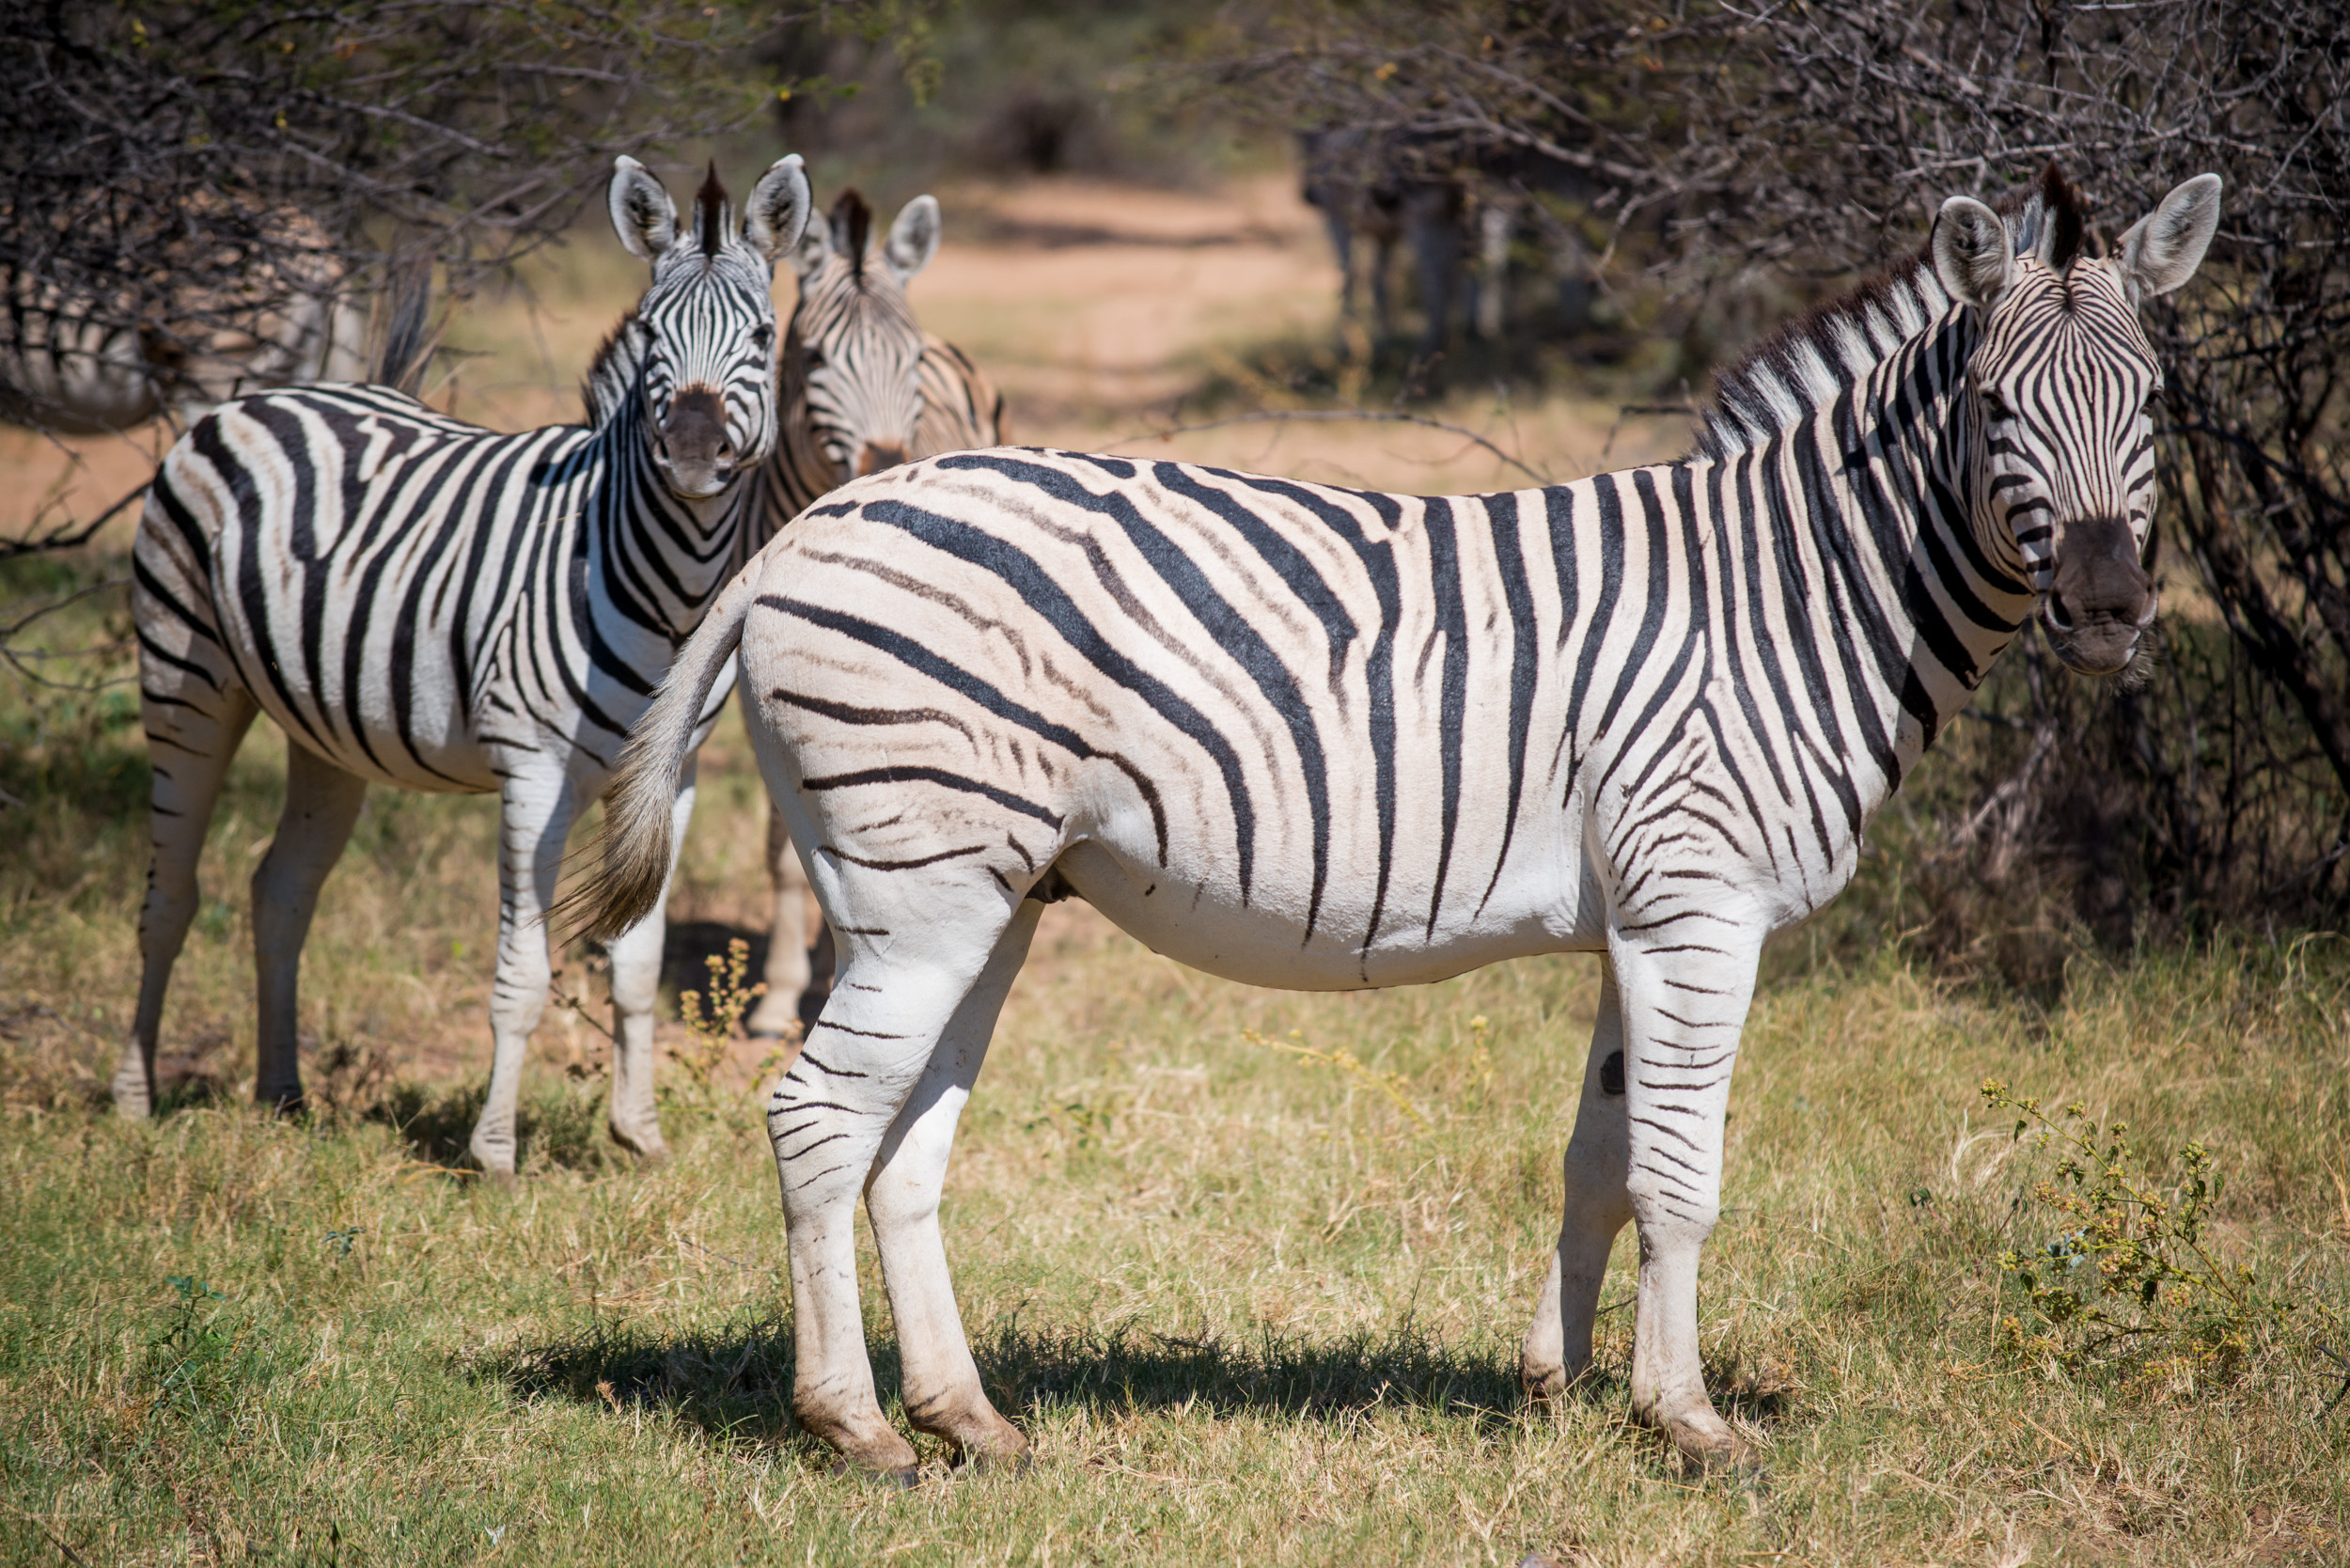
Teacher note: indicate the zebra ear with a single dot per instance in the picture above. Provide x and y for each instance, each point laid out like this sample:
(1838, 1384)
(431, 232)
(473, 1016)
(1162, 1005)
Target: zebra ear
(1973, 254)
(642, 213)
(808, 255)
(2163, 248)
(777, 214)
(913, 238)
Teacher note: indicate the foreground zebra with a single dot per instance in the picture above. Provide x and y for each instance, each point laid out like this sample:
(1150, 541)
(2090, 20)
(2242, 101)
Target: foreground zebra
(862, 388)
(422, 602)
(1248, 719)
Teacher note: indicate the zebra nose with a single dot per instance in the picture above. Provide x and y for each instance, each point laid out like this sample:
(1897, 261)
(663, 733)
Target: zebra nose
(877, 456)
(694, 444)
(2102, 598)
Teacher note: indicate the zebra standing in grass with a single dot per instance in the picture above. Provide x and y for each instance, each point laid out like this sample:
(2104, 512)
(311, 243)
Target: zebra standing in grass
(862, 388)
(422, 602)
(1318, 738)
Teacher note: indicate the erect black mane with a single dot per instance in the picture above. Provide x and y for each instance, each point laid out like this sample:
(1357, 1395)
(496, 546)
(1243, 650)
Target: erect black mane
(852, 223)
(1782, 379)
(710, 211)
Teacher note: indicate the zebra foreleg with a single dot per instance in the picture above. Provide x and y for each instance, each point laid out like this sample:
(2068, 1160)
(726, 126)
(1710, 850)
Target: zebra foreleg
(192, 734)
(786, 974)
(912, 957)
(1685, 984)
(535, 813)
(321, 806)
(941, 1387)
(1558, 1348)
(633, 1120)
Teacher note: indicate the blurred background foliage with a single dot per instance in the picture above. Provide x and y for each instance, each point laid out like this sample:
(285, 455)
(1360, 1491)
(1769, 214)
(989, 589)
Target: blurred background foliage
(1617, 197)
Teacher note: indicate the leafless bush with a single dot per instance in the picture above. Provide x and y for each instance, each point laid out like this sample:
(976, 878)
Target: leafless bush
(181, 169)
(1716, 144)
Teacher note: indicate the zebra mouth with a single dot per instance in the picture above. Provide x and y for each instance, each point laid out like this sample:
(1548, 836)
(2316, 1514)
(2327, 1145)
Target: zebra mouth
(2099, 645)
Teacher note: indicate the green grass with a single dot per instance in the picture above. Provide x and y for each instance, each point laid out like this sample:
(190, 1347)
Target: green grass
(1249, 1309)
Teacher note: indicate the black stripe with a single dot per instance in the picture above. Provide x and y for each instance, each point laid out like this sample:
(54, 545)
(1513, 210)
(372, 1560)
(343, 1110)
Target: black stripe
(1524, 664)
(922, 660)
(907, 773)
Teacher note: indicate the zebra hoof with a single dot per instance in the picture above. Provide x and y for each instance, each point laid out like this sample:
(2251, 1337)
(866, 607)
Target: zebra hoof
(1707, 1445)
(995, 1463)
(495, 1161)
(896, 1477)
(650, 1150)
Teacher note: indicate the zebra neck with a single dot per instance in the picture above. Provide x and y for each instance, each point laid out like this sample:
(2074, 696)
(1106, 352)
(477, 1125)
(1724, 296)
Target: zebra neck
(1904, 542)
(657, 556)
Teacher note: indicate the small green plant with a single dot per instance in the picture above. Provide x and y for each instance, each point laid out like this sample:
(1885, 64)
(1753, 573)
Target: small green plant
(184, 1360)
(2132, 1281)
(711, 1023)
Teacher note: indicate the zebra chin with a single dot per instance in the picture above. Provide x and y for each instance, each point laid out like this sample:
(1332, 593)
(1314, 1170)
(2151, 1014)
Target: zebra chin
(2103, 648)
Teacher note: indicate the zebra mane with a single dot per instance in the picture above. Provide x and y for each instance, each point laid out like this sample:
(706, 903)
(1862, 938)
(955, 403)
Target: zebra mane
(852, 223)
(1776, 384)
(711, 208)
(612, 374)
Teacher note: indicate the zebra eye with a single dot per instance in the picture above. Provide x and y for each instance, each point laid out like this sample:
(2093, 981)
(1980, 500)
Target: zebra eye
(815, 357)
(1994, 405)
(762, 335)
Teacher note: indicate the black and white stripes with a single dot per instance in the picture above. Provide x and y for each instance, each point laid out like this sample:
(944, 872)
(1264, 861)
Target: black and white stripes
(420, 602)
(1320, 738)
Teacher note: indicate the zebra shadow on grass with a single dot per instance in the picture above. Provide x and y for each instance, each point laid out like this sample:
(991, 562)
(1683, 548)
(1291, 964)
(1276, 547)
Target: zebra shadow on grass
(734, 1384)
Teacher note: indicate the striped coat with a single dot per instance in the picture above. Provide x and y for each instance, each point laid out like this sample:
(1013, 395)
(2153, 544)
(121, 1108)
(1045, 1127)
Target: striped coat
(1313, 737)
(419, 602)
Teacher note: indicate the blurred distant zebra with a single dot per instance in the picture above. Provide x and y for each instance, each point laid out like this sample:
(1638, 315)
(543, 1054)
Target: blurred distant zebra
(422, 602)
(862, 388)
(80, 365)
(1320, 738)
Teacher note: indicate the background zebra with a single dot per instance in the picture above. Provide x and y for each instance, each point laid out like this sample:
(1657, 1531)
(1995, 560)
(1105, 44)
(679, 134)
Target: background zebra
(422, 602)
(81, 366)
(1319, 738)
(862, 388)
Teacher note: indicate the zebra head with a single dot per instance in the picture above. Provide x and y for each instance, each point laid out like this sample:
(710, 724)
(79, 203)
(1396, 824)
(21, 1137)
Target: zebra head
(2060, 388)
(706, 327)
(852, 355)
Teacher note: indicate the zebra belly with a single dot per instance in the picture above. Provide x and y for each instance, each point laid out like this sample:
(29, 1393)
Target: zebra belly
(1264, 943)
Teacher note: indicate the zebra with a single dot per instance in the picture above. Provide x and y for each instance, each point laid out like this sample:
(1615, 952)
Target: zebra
(862, 388)
(422, 602)
(1328, 739)
(73, 364)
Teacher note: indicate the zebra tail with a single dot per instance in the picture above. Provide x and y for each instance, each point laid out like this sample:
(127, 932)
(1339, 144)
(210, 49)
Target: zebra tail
(632, 864)
(408, 335)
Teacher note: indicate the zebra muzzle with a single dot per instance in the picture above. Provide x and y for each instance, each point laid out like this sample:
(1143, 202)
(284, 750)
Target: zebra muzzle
(2102, 597)
(694, 451)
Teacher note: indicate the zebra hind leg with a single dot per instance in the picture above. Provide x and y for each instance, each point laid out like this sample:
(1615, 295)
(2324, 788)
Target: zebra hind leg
(1685, 983)
(913, 953)
(322, 806)
(942, 1392)
(195, 718)
(1558, 1348)
(787, 975)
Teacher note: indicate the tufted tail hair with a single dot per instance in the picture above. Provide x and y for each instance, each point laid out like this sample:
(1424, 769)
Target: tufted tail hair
(632, 855)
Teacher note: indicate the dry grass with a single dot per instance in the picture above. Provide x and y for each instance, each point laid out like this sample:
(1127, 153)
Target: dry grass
(1250, 1309)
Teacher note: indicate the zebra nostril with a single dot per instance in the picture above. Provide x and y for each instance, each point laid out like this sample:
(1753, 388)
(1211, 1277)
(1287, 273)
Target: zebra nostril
(2058, 617)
